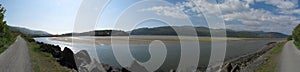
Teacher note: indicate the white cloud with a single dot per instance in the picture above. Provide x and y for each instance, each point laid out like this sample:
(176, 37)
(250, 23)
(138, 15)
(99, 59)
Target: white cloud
(282, 4)
(199, 6)
(229, 6)
(250, 1)
(236, 10)
(258, 15)
(175, 12)
(292, 11)
(261, 20)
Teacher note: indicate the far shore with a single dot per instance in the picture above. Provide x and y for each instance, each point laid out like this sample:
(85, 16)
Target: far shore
(106, 40)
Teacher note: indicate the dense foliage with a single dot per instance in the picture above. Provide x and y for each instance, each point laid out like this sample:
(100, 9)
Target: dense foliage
(290, 37)
(6, 36)
(296, 35)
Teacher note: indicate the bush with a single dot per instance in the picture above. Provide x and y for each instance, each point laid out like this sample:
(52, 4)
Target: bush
(290, 37)
(296, 35)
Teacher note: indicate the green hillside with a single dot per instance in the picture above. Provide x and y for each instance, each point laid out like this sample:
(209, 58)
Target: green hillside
(28, 32)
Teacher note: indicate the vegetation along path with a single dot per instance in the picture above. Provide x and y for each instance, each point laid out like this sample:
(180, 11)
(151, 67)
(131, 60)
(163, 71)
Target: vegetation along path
(16, 58)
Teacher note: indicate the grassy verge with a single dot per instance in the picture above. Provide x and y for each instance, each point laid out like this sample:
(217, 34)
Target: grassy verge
(297, 44)
(271, 64)
(44, 62)
(4, 47)
(6, 42)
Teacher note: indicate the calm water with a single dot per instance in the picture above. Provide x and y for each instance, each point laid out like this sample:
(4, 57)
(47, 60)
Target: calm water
(105, 55)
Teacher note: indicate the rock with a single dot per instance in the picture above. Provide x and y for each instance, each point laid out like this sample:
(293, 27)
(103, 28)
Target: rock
(124, 70)
(107, 67)
(136, 67)
(95, 66)
(82, 69)
(172, 70)
(247, 62)
(271, 43)
(54, 50)
(82, 58)
(236, 68)
(229, 68)
(86, 64)
(67, 58)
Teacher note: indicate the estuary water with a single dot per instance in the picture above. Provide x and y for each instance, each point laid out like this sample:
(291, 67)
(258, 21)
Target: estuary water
(103, 52)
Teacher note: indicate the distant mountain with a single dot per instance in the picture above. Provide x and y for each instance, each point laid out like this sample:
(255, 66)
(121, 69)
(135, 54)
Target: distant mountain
(255, 34)
(99, 33)
(183, 30)
(203, 31)
(28, 31)
(168, 30)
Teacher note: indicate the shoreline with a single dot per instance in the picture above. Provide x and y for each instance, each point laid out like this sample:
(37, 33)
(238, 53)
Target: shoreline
(250, 61)
(107, 40)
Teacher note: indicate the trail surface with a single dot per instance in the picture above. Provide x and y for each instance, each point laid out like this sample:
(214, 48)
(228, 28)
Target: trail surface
(290, 58)
(16, 58)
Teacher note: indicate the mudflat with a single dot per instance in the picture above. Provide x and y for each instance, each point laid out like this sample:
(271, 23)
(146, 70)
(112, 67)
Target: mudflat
(98, 40)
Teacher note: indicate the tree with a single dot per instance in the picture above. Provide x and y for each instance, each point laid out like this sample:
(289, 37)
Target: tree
(6, 36)
(2, 24)
(296, 33)
(290, 37)
(296, 36)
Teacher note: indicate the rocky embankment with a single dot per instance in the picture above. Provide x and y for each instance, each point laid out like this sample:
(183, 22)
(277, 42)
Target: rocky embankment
(81, 61)
(249, 62)
(65, 57)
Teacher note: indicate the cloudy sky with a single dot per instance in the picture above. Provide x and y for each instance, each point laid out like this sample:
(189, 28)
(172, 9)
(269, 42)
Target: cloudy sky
(58, 16)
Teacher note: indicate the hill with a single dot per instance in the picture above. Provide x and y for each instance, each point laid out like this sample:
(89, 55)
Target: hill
(184, 30)
(98, 33)
(204, 31)
(29, 31)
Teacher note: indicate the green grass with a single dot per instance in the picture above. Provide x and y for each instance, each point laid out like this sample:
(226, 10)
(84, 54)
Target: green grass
(4, 47)
(271, 64)
(44, 62)
(297, 44)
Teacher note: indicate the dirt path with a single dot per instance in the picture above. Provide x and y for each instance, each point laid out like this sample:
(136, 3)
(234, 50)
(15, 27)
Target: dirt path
(290, 58)
(16, 58)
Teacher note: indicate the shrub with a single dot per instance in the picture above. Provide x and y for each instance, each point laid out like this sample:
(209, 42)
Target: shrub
(290, 37)
(296, 35)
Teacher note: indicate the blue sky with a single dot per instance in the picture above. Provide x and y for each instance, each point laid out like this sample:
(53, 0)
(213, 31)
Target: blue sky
(58, 16)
